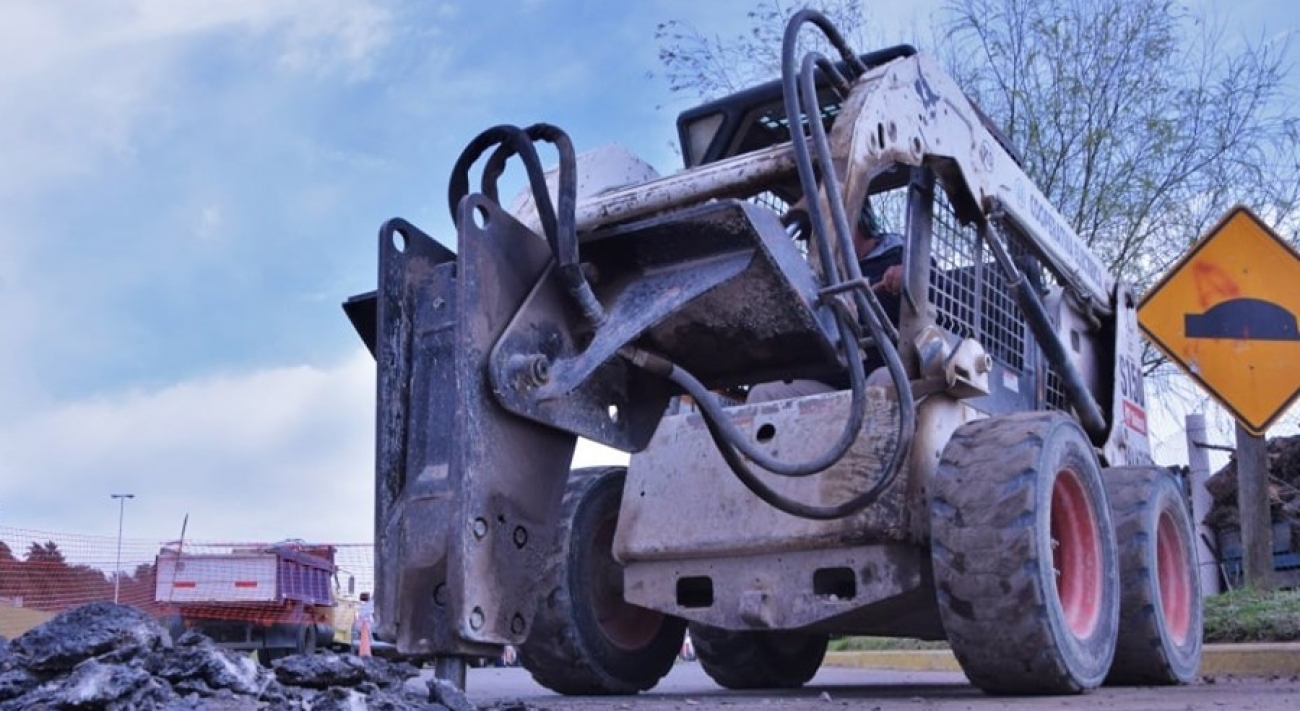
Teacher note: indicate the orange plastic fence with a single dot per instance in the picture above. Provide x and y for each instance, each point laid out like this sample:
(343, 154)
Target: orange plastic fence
(47, 572)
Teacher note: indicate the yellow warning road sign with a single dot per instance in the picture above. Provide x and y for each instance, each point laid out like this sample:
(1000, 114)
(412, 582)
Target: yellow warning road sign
(1227, 313)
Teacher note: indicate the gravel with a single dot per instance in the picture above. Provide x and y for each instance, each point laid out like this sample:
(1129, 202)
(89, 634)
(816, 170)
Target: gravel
(117, 658)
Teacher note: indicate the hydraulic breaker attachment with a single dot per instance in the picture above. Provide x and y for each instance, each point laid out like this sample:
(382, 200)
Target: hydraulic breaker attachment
(466, 493)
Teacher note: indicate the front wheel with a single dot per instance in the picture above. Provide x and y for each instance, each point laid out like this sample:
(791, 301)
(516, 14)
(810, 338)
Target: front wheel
(586, 638)
(1161, 621)
(1025, 562)
(758, 659)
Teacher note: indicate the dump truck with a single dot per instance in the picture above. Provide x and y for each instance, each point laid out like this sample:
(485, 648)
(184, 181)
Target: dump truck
(989, 483)
(275, 599)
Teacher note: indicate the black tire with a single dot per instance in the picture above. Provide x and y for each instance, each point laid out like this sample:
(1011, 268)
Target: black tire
(1016, 499)
(1160, 623)
(758, 659)
(585, 638)
(306, 638)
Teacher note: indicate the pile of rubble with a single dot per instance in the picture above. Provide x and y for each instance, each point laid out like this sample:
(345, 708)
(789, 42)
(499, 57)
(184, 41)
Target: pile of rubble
(1283, 489)
(114, 657)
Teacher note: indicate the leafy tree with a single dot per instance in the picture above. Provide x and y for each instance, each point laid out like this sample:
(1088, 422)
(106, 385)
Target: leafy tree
(138, 587)
(46, 554)
(1135, 117)
(711, 66)
(10, 573)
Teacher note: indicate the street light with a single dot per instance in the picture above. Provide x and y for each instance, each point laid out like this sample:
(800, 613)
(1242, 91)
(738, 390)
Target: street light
(117, 573)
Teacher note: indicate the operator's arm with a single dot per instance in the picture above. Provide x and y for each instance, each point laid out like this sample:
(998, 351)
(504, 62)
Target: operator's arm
(890, 282)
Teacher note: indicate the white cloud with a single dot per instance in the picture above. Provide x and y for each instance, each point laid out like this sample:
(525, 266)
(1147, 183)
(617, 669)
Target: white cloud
(267, 455)
(80, 82)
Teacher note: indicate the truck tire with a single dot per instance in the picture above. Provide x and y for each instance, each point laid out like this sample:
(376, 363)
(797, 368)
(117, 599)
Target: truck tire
(1025, 563)
(1160, 616)
(758, 659)
(586, 639)
(306, 638)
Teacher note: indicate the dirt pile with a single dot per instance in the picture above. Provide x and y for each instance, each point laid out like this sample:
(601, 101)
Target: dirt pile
(1283, 489)
(114, 657)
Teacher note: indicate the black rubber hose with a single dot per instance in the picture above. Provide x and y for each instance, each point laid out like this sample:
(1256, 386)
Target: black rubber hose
(869, 309)
(731, 443)
(728, 437)
(560, 230)
(566, 254)
(717, 423)
(516, 137)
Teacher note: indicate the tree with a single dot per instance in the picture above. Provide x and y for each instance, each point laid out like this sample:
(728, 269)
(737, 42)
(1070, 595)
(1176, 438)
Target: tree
(1135, 117)
(46, 554)
(711, 66)
(10, 573)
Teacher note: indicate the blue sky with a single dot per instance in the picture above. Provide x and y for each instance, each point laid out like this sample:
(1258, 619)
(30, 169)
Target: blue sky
(188, 190)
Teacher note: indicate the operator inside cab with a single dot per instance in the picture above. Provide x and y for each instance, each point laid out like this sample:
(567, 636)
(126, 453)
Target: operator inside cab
(880, 257)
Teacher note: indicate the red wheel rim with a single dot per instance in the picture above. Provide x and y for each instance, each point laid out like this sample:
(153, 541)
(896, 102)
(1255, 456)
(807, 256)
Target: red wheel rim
(1076, 554)
(1173, 578)
(628, 627)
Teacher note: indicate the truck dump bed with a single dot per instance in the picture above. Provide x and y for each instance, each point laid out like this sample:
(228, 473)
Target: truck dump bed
(269, 575)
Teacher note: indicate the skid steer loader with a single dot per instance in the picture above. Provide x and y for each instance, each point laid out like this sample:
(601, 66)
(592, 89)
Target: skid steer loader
(991, 485)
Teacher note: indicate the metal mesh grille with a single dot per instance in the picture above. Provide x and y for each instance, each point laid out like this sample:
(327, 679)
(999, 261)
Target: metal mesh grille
(969, 292)
(1055, 393)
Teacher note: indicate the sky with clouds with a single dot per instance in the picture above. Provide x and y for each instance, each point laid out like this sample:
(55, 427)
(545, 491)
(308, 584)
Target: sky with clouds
(189, 189)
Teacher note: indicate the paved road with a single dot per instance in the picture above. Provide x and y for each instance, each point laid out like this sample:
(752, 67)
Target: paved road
(687, 688)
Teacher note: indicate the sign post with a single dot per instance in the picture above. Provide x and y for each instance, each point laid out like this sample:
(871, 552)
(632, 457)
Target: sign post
(1253, 509)
(1226, 313)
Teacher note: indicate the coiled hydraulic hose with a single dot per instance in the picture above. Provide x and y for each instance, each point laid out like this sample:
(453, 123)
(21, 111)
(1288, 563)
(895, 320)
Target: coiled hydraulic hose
(559, 227)
(799, 88)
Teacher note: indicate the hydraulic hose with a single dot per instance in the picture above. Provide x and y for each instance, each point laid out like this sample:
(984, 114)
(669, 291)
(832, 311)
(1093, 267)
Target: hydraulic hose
(559, 226)
(800, 88)
(517, 139)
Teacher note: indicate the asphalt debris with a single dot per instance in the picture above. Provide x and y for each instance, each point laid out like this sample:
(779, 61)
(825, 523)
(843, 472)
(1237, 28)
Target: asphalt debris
(1283, 490)
(110, 657)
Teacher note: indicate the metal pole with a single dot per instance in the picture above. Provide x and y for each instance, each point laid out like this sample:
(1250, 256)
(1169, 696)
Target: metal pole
(117, 570)
(1198, 465)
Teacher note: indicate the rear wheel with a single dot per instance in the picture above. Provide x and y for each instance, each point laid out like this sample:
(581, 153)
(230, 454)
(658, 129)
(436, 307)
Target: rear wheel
(586, 639)
(1160, 624)
(306, 638)
(758, 659)
(1025, 564)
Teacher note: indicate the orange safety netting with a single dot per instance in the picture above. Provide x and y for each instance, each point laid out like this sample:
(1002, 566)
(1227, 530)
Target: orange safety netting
(43, 572)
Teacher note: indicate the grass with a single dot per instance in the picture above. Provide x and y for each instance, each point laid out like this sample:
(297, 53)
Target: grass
(879, 644)
(1252, 616)
(1237, 616)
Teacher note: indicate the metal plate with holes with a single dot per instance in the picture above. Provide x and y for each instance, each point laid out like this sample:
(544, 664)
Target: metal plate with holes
(466, 492)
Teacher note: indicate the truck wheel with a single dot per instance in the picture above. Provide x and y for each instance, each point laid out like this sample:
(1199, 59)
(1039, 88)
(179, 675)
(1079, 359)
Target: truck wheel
(758, 659)
(586, 639)
(1025, 563)
(1160, 622)
(306, 638)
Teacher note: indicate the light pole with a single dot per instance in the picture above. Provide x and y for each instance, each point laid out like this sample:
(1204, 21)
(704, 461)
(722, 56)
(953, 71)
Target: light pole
(117, 571)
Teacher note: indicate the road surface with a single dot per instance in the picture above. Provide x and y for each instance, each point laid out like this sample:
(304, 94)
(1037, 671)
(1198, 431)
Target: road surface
(687, 688)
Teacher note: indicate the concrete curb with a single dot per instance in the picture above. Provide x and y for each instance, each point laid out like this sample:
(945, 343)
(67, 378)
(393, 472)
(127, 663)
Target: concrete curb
(1271, 659)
